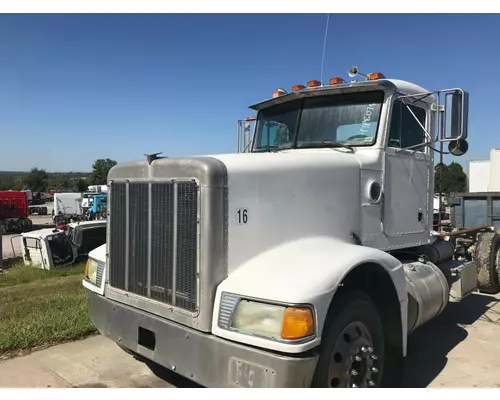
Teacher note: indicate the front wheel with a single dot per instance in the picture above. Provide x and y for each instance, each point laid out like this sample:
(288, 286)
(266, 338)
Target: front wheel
(352, 354)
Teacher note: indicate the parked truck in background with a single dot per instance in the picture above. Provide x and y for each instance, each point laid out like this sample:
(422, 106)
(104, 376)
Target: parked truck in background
(305, 261)
(29, 195)
(480, 206)
(98, 207)
(89, 195)
(67, 206)
(86, 201)
(98, 188)
(14, 211)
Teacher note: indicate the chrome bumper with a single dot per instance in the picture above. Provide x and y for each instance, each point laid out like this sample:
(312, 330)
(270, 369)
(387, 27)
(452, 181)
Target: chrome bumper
(201, 357)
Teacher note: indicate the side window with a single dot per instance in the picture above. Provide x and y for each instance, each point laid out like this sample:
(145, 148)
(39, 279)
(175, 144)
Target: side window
(404, 130)
(275, 135)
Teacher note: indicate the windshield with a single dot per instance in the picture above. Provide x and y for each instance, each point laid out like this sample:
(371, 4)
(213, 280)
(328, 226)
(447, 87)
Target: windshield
(326, 121)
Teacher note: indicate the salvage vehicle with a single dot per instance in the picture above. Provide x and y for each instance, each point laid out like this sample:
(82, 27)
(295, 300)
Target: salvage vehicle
(305, 261)
(53, 248)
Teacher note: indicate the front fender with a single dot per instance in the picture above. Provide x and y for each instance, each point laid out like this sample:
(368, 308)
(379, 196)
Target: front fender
(304, 271)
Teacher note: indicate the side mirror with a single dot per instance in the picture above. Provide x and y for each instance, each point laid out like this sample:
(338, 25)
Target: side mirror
(458, 147)
(457, 112)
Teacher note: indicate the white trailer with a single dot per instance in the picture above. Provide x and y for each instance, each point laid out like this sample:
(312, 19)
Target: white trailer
(479, 176)
(306, 261)
(98, 189)
(67, 205)
(494, 173)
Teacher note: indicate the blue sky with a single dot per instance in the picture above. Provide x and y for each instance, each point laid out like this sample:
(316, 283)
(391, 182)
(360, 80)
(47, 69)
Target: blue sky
(74, 88)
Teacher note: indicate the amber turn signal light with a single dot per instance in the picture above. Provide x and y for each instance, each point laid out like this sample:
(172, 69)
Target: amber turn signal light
(298, 323)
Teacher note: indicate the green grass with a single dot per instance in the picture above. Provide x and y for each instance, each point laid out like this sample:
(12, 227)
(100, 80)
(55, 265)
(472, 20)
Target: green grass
(40, 308)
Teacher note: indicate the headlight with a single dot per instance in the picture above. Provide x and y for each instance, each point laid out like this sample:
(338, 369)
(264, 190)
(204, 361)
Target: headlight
(271, 321)
(259, 318)
(91, 270)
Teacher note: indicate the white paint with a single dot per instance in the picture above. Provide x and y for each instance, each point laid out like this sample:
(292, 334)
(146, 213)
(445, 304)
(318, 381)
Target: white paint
(479, 176)
(68, 203)
(308, 271)
(99, 255)
(303, 205)
(41, 257)
(494, 170)
(406, 195)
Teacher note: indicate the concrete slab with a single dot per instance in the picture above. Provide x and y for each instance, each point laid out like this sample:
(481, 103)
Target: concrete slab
(92, 362)
(96, 362)
(7, 246)
(26, 372)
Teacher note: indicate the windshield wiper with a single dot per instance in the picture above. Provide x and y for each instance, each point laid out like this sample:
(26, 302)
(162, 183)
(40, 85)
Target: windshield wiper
(268, 149)
(325, 143)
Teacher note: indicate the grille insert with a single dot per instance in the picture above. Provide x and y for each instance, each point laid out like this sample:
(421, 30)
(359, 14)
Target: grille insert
(154, 241)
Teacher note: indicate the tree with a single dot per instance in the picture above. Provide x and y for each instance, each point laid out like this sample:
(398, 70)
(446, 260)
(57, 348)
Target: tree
(100, 170)
(81, 185)
(36, 180)
(62, 182)
(449, 178)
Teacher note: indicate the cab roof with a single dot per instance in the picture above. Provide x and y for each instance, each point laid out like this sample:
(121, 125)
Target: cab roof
(88, 223)
(395, 85)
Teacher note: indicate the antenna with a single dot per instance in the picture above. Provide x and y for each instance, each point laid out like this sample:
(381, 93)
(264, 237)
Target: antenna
(324, 46)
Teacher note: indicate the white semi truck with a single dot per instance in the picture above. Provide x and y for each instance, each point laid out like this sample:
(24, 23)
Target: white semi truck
(305, 261)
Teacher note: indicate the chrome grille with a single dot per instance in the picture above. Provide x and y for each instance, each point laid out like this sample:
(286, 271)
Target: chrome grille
(228, 303)
(100, 270)
(154, 241)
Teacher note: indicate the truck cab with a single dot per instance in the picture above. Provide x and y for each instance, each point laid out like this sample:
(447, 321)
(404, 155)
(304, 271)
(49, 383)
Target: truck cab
(54, 248)
(98, 206)
(305, 261)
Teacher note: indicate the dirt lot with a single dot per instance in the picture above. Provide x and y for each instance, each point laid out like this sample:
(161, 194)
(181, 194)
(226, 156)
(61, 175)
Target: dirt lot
(460, 348)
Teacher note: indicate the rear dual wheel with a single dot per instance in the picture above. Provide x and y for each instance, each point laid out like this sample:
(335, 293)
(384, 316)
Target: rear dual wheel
(487, 257)
(352, 354)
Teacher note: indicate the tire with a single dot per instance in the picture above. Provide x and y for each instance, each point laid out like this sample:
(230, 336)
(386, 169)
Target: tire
(353, 349)
(487, 257)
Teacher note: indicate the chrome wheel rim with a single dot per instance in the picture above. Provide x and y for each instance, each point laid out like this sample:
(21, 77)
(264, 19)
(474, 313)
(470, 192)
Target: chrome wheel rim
(354, 363)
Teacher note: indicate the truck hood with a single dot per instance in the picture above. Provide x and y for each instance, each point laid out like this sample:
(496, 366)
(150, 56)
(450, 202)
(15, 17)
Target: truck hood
(99, 253)
(288, 196)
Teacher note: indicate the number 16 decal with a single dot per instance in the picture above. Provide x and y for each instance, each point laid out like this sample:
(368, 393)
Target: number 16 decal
(242, 216)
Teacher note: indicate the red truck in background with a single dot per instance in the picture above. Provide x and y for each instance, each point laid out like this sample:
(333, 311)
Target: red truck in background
(14, 212)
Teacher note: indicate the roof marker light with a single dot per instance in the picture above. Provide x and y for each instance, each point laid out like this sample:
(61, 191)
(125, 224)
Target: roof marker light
(336, 81)
(296, 88)
(313, 83)
(375, 75)
(279, 92)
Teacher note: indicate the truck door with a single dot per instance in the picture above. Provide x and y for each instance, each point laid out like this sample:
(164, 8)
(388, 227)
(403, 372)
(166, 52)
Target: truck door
(60, 250)
(33, 253)
(406, 193)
